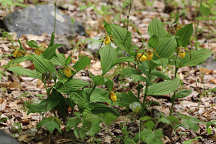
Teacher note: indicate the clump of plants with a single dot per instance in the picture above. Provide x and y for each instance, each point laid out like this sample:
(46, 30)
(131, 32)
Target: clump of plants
(97, 101)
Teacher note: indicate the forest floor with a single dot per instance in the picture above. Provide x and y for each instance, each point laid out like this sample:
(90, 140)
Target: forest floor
(15, 91)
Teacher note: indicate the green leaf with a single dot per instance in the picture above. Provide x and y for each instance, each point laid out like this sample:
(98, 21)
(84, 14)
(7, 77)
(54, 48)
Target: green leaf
(51, 51)
(121, 37)
(109, 84)
(32, 44)
(156, 28)
(205, 10)
(42, 65)
(79, 99)
(108, 57)
(73, 85)
(25, 72)
(108, 117)
(125, 99)
(94, 124)
(152, 137)
(183, 93)
(184, 34)
(160, 75)
(165, 47)
(50, 124)
(195, 57)
(100, 95)
(37, 107)
(124, 59)
(164, 88)
(82, 63)
(72, 122)
(98, 80)
(58, 60)
(99, 108)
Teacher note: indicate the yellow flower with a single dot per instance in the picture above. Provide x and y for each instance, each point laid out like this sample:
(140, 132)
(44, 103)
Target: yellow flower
(138, 56)
(67, 72)
(143, 58)
(18, 53)
(107, 40)
(181, 54)
(38, 51)
(149, 55)
(113, 96)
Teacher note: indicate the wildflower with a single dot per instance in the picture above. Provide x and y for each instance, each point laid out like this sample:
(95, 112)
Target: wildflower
(143, 58)
(67, 72)
(18, 53)
(149, 55)
(113, 96)
(38, 51)
(181, 54)
(138, 56)
(107, 40)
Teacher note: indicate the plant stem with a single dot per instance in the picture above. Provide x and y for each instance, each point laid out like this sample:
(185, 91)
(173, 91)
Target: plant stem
(93, 88)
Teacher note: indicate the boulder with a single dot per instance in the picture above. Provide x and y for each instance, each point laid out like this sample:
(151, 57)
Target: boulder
(40, 19)
(6, 139)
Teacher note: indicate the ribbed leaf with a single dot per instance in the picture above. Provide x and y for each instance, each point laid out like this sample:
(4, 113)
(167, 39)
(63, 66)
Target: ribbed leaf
(165, 47)
(42, 65)
(164, 88)
(195, 57)
(82, 63)
(121, 36)
(108, 57)
(51, 51)
(156, 28)
(184, 34)
(25, 72)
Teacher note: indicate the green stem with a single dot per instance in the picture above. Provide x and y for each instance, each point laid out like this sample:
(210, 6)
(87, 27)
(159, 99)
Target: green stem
(91, 92)
(147, 85)
(173, 97)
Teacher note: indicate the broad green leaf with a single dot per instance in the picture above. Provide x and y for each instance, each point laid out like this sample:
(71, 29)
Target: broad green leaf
(156, 28)
(54, 99)
(205, 10)
(25, 72)
(50, 124)
(109, 84)
(195, 57)
(121, 36)
(82, 63)
(72, 122)
(98, 80)
(73, 85)
(152, 137)
(51, 51)
(99, 108)
(108, 57)
(108, 117)
(184, 34)
(160, 74)
(165, 46)
(94, 124)
(125, 99)
(42, 65)
(32, 44)
(100, 95)
(58, 60)
(183, 93)
(37, 107)
(79, 99)
(124, 59)
(164, 88)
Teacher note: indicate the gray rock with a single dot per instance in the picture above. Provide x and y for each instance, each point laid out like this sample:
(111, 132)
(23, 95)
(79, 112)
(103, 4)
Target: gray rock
(40, 19)
(210, 63)
(6, 139)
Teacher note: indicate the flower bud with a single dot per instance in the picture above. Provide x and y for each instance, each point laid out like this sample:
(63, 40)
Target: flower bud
(113, 96)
